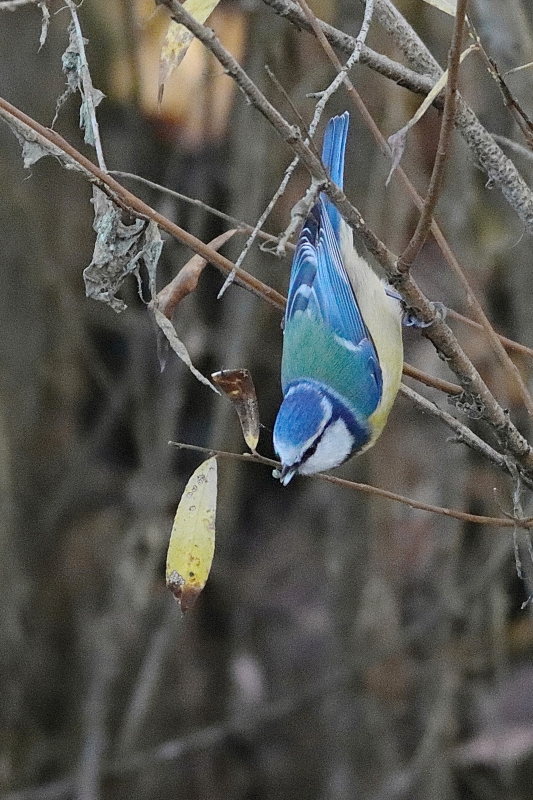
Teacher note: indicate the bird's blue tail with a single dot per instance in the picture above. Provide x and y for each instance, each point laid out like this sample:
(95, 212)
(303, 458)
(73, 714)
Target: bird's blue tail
(334, 146)
(333, 149)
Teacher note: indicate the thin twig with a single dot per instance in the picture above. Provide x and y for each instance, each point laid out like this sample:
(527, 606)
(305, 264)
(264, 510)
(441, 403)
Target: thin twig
(509, 344)
(512, 145)
(239, 224)
(511, 103)
(462, 433)
(283, 92)
(54, 144)
(363, 487)
(494, 339)
(451, 389)
(424, 223)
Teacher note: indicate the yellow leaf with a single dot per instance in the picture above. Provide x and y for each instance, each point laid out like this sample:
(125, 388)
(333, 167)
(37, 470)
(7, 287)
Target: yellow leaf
(178, 38)
(448, 6)
(192, 541)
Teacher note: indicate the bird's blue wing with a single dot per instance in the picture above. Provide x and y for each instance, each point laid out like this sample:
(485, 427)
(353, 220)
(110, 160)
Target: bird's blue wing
(319, 284)
(318, 240)
(320, 287)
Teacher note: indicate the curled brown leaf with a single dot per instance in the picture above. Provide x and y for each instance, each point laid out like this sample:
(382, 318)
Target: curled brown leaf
(187, 278)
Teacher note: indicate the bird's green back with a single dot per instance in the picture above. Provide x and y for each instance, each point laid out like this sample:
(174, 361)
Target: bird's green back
(317, 354)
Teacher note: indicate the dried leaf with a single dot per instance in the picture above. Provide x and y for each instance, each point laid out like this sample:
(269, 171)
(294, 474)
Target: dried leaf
(71, 61)
(179, 287)
(32, 150)
(175, 45)
(398, 140)
(187, 278)
(78, 79)
(178, 38)
(118, 251)
(45, 23)
(35, 146)
(177, 345)
(518, 69)
(86, 115)
(153, 245)
(192, 541)
(448, 6)
(238, 386)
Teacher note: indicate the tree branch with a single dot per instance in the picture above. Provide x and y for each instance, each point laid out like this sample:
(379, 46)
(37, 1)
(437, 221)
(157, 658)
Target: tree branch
(368, 489)
(54, 144)
(435, 183)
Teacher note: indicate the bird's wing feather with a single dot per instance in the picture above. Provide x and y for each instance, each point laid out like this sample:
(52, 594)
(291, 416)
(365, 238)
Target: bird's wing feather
(320, 287)
(333, 150)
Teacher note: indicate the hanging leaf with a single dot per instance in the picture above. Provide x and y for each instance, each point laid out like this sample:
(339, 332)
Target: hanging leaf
(238, 386)
(78, 77)
(187, 278)
(177, 345)
(32, 148)
(179, 287)
(118, 251)
(178, 39)
(398, 140)
(192, 541)
(45, 23)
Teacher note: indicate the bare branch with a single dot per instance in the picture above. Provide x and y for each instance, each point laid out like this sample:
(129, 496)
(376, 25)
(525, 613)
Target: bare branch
(424, 223)
(492, 159)
(500, 170)
(239, 224)
(367, 488)
(463, 434)
(509, 344)
(54, 144)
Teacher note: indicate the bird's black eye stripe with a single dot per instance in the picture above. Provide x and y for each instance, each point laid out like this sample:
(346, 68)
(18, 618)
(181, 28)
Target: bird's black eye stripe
(311, 450)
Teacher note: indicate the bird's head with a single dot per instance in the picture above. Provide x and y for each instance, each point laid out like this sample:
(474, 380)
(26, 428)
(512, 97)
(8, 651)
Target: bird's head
(314, 431)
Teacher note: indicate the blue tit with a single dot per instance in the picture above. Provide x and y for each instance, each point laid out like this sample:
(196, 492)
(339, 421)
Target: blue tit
(342, 341)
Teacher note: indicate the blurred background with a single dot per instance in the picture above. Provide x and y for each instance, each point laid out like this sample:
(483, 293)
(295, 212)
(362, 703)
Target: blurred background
(344, 647)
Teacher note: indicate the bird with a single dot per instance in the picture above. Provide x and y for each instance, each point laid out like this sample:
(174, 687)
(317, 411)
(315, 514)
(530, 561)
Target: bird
(342, 353)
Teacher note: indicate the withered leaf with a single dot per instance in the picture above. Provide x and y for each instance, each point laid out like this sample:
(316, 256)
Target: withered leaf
(238, 386)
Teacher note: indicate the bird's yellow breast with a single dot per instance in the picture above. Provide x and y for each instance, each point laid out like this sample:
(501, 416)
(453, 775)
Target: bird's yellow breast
(382, 316)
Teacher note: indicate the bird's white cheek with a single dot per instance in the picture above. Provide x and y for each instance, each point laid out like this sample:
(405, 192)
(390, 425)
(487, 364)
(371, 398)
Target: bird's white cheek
(334, 447)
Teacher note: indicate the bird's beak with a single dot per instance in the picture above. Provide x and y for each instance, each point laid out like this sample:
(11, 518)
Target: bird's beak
(286, 473)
